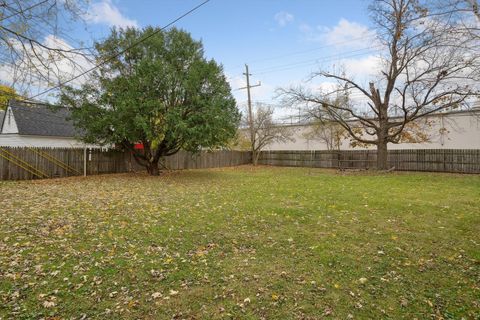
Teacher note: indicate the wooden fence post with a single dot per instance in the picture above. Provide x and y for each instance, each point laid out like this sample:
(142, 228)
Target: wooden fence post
(56, 161)
(85, 161)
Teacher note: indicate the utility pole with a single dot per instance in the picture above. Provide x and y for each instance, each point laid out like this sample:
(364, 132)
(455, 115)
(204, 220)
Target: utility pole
(249, 102)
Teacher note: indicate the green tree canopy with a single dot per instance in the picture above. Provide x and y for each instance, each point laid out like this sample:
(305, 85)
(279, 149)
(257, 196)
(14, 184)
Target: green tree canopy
(162, 92)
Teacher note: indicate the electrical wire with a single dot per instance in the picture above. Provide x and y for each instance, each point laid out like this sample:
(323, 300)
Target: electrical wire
(122, 51)
(343, 55)
(308, 50)
(22, 11)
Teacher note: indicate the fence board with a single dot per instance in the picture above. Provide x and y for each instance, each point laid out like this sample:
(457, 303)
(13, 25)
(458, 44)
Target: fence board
(111, 161)
(101, 162)
(433, 160)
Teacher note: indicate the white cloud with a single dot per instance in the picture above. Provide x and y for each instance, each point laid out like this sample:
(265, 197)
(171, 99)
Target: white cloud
(40, 68)
(369, 66)
(346, 31)
(326, 86)
(105, 12)
(6, 74)
(283, 18)
(70, 63)
(345, 34)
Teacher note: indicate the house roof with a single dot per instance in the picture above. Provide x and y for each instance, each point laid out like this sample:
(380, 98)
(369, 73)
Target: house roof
(2, 115)
(41, 120)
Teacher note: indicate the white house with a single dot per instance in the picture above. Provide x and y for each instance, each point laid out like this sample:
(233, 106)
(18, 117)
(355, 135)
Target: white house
(448, 130)
(35, 125)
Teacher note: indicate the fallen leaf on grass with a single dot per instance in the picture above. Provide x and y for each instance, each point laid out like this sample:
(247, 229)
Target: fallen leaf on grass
(48, 304)
(156, 295)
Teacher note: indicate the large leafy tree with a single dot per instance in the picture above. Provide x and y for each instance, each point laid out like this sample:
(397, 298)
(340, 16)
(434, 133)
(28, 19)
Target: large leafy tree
(161, 92)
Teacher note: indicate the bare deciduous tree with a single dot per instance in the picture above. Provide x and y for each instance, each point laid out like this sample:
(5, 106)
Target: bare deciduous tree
(329, 133)
(265, 130)
(458, 12)
(427, 66)
(324, 128)
(34, 51)
(474, 6)
(462, 7)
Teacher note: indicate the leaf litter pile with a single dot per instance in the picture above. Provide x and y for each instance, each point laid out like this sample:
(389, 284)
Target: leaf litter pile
(241, 243)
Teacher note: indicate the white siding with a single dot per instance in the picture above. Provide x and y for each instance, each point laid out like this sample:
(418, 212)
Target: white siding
(9, 124)
(462, 132)
(16, 140)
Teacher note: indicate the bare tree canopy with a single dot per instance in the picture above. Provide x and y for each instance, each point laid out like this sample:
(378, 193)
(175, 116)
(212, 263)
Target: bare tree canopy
(474, 6)
(429, 63)
(34, 51)
(263, 131)
(329, 133)
(463, 8)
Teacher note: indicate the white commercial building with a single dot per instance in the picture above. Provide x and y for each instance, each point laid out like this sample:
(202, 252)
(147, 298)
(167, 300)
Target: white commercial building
(449, 130)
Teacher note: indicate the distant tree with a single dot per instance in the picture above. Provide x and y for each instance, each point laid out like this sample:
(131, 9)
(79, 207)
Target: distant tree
(264, 131)
(241, 141)
(162, 93)
(329, 133)
(428, 65)
(7, 93)
(322, 127)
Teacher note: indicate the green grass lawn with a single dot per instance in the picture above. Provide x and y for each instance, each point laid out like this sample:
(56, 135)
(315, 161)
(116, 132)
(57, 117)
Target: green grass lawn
(242, 243)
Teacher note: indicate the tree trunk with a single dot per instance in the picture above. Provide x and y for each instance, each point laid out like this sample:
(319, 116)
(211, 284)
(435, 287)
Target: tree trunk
(152, 168)
(255, 155)
(382, 156)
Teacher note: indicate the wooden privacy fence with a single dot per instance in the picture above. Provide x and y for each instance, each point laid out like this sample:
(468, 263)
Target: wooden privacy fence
(25, 163)
(434, 160)
(203, 160)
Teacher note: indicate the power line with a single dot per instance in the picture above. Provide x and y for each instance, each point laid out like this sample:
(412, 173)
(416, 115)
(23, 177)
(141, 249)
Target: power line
(12, 67)
(315, 49)
(122, 51)
(43, 20)
(309, 50)
(22, 11)
(63, 35)
(315, 63)
(342, 55)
